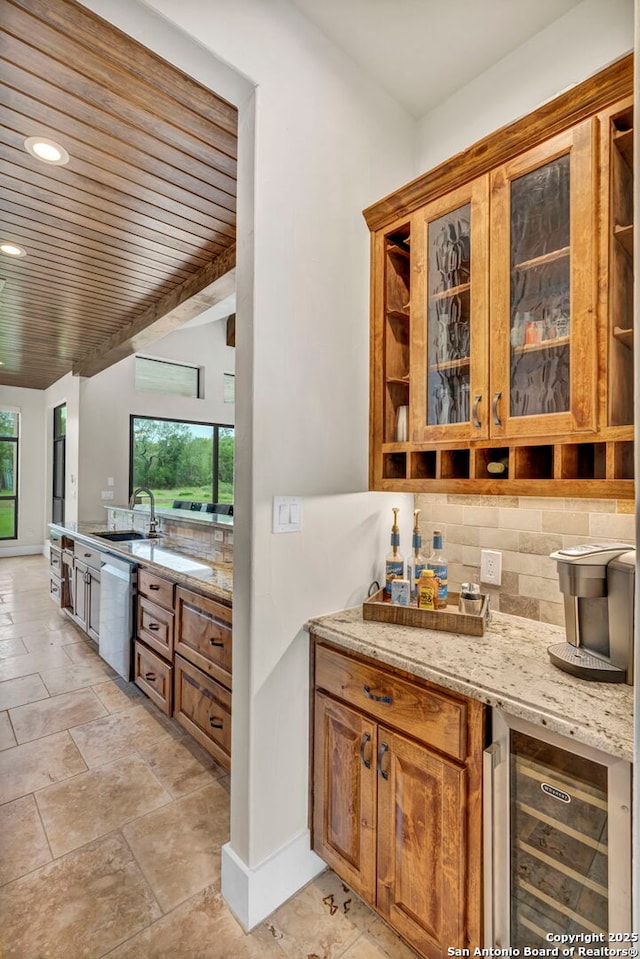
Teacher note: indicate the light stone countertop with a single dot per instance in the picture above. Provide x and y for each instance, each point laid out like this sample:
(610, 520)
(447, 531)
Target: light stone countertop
(508, 667)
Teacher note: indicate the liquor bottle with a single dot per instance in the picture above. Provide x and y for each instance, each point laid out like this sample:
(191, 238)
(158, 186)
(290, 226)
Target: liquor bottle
(394, 565)
(418, 561)
(440, 566)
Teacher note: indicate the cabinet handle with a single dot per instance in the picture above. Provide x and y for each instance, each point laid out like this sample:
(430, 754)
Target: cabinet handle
(383, 749)
(154, 626)
(366, 738)
(153, 586)
(151, 677)
(216, 642)
(474, 415)
(496, 417)
(216, 723)
(377, 699)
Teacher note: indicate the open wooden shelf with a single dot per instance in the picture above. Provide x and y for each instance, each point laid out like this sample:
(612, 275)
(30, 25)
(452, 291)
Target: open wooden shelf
(400, 315)
(624, 235)
(625, 336)
(623, 140)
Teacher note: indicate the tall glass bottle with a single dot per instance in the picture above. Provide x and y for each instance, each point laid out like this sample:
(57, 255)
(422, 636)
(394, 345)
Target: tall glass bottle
(394, 564)
(418, 561)
(440, 566)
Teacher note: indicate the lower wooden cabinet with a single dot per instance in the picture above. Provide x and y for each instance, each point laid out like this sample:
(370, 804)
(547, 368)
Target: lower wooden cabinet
(397, 797)
(203, 708)
(155, 677)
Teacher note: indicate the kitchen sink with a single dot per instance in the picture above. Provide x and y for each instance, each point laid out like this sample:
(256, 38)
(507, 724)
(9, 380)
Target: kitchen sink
(121, 535)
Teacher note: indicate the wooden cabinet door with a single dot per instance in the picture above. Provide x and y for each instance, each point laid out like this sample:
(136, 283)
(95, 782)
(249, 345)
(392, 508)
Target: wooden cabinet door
(544, 336)
(422, 812)
(449, 316)
(344, 820)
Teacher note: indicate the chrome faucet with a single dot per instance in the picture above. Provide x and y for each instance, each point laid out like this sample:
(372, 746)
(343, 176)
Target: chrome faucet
(153, 522)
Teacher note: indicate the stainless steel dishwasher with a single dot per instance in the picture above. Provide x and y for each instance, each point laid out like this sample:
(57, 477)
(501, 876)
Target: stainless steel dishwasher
(118, 583)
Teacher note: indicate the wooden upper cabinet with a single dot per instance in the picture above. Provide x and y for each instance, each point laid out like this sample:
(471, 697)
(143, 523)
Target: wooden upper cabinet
(544, 334)
(502, 309)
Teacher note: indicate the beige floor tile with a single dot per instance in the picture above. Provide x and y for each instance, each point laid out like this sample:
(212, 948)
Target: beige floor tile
(39, 639)
(201, 928)
(7, 737)
(117, 694)
(12, 647)
(78, 907)
(75, 676)
(26, 689)
(379, 942)
(112, 737)
(178, 847)
(51, 658)
(324, 919)
(51, 715)
(97, 802)
(32, 766)
(23, 843)
(82, 652)
(45, 616)
(177, 768)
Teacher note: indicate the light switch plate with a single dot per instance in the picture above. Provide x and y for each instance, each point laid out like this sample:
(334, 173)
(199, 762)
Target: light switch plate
(287, 514)
(106, 494)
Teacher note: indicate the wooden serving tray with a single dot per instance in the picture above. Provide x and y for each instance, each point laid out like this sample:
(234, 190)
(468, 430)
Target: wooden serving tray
(449, 620)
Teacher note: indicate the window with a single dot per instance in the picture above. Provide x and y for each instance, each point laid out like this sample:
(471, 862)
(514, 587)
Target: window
(9, 428)
(182, 462)
(59, 448)
(162, 376)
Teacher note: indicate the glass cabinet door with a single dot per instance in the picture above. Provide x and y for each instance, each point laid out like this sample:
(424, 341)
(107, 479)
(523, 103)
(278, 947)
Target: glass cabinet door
(544, 347)
(454, 325)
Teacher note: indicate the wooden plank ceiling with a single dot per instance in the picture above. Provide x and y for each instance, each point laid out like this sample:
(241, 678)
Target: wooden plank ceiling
(125, 240)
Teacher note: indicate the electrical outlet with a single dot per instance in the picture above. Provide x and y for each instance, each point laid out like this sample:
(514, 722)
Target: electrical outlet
(491, 567)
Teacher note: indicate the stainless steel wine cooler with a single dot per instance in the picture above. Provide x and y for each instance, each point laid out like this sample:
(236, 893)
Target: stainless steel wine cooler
(557, 828)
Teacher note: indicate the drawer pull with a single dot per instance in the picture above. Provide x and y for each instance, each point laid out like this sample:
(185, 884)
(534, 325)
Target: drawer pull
(154, 626)
(151, 677)
(216, 723)
(383, 749)
(366, 738)
(377, 699)
(216, 642)
(153, 586)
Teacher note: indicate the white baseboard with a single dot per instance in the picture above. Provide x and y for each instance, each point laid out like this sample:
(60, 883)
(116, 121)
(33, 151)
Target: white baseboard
(253, 894)
(22, 550)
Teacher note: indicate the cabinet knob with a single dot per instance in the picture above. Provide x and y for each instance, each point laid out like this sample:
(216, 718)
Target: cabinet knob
(384, 747)
(366, 738)
(377, 699)
(215, 723)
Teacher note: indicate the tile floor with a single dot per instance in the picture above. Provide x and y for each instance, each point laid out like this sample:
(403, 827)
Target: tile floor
(112, 819)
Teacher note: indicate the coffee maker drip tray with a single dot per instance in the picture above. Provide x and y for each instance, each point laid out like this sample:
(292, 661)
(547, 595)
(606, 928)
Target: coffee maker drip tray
(579, 662)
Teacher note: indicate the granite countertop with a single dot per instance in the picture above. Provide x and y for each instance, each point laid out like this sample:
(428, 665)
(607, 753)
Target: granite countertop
(508, 667)
(215, 579)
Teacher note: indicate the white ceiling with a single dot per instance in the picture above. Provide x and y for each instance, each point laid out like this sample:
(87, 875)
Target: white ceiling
(422, 51)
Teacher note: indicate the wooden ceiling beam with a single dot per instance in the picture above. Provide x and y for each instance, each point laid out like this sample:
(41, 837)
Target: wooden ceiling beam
(212, 283)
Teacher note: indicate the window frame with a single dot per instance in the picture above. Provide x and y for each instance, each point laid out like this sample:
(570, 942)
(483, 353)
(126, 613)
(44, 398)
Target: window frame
(15, 498)
(198, 370)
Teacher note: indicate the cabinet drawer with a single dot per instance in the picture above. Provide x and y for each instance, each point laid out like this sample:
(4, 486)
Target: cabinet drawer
(203, 708)
(155, 677)
(203, 633)
(157, 589)
(55, 590)
(408, 706)
(90, 557)
(155, 627)
(55, 560)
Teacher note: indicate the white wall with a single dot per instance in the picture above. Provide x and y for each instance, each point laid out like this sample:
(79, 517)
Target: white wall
(31, 472)
(108, 398)
(327, 143)
(583, 41)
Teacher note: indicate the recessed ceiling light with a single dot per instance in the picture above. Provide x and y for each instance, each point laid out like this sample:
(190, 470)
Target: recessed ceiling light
(46, 150)
(12, 249)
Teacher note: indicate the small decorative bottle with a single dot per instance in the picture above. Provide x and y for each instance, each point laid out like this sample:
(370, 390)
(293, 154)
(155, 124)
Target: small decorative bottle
(418, 561)
(440, 566)
(394, 565)
(427, 590)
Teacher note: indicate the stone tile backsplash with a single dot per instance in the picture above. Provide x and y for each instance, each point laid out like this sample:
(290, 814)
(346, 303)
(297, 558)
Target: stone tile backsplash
(525, 529)
(205, 540)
